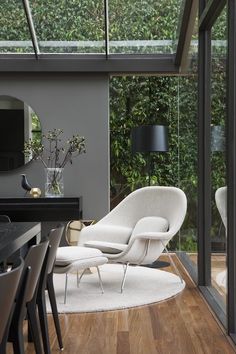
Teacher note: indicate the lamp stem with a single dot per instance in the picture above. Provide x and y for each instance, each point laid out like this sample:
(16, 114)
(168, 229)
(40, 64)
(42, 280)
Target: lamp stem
(149, 168)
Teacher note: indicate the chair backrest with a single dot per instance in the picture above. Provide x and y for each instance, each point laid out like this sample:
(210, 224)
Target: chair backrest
(73, 230)
(221, 203)
(9, 282)
(166, 202)
(5, 218)
(34, 260)
(54, 237)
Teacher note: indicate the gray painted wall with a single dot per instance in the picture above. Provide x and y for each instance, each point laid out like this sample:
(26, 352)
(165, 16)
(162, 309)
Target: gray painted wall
(77, 104)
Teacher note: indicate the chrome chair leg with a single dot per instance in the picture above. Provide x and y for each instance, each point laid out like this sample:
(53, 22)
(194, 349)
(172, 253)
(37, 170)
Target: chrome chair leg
(79, 278)
(66, 281)
(172, 262)
(124, 278)
(100, 280)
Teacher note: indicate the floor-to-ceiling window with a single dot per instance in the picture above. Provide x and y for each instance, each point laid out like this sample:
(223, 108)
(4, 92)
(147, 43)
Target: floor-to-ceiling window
(217, 164)
(169, 101)
(218, 117)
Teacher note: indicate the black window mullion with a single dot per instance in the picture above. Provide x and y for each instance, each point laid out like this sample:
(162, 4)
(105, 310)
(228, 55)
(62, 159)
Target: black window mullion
(231, 167)
(106, 23)
(204, 158)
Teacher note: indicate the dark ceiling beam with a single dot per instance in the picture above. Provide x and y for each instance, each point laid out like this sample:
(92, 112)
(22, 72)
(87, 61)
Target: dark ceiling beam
(31, 27)
(210, 14)
(163, 64)
(185, 35)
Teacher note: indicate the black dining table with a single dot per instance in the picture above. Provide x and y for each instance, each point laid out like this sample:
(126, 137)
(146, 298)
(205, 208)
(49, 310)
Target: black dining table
(17, 235)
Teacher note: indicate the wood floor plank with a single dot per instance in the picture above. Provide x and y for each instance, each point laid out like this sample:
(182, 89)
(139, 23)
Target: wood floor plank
(123, 344)
(181, 325)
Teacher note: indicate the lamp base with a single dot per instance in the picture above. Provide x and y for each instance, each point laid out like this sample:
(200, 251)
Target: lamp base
(158, 264)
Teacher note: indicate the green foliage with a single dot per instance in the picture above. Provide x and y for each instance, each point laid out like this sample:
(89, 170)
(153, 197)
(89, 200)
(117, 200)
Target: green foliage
(137, 100)
(83, 20)
(155, 100)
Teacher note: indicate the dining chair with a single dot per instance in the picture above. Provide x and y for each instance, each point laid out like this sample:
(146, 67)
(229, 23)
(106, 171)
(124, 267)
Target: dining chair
(46, 283)
(9, 281)
(24, 305)
(5, 218)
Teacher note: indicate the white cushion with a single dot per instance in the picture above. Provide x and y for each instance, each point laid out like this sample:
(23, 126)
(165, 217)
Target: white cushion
(107, 247)
(105, 232)
(70, 254)
(80, 264)
(149, 224)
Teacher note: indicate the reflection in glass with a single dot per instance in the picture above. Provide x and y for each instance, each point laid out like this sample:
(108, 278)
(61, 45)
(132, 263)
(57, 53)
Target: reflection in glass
(14, 31)
(141, 27)
(73, 26)
(69, 26)
(139, 101)
(18, 124)
(218, 160)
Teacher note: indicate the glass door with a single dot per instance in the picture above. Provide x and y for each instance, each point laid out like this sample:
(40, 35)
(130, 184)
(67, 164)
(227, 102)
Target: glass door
(218, 117)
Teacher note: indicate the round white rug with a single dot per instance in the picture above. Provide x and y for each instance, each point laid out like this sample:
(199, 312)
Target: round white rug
(143, 286)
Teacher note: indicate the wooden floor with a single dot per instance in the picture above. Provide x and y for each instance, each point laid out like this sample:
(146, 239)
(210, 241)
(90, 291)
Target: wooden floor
(218, 264)
(181, 325)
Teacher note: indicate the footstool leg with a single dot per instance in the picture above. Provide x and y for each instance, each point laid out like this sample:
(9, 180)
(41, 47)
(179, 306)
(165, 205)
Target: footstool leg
(79, 278)
(100, 280)
(65, 288)
(124, 278)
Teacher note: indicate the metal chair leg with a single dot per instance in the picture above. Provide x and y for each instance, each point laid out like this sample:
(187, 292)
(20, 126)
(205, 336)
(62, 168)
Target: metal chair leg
(79, 278)
(124, 278)
(172, 262)
(65, 293)
(100, 280)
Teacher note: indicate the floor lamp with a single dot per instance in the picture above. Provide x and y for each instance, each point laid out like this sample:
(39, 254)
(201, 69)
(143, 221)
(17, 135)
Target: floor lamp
(148, 139)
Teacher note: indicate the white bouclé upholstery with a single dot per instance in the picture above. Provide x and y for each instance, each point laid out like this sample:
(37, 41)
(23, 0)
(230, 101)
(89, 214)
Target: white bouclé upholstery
(150, 213)
(107, 247)
(70, 254)
(120, 233)
(150, 224)
(78, 258)
(138, 229)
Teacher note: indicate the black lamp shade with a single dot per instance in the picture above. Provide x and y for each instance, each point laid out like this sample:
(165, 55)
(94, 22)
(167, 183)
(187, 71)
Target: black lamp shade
(149, 138)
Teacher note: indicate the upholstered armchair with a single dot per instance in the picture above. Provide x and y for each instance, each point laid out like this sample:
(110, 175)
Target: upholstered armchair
(138, 229)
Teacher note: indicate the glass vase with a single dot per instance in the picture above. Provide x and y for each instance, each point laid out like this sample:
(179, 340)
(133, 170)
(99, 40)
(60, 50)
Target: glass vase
(54, 186)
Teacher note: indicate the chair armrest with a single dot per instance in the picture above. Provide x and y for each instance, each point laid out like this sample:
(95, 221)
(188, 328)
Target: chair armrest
(155, 235)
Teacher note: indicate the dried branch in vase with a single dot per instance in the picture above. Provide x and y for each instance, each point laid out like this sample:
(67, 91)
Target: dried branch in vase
(51, 152)
(54, 155)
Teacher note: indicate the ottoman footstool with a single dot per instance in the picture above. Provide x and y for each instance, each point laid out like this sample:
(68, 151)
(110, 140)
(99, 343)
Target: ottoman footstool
(79, 258)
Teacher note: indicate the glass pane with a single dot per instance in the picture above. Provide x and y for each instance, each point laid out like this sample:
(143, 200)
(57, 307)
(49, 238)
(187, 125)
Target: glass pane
(137, 101)
(140, 27)
(14, 31)
(193, 49)
(188, 155)
(69, 26)
(218, 160)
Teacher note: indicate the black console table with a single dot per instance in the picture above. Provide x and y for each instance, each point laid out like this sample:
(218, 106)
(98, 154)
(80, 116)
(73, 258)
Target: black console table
(49, 211)
(42, 209)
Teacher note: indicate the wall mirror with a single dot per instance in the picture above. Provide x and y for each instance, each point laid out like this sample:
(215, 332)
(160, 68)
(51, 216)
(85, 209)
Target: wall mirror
(19, 123)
